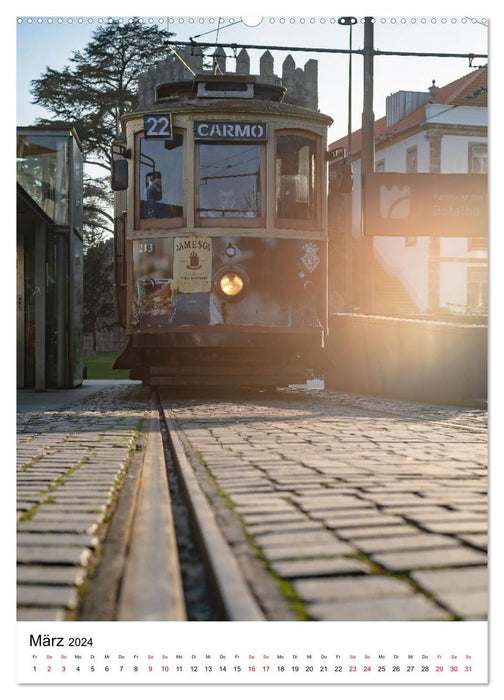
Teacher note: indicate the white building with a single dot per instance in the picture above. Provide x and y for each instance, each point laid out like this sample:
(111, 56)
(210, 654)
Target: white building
(443, 130)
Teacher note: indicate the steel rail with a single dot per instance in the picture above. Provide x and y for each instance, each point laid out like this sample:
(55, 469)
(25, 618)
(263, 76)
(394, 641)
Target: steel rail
(236, 598)
(152, 544)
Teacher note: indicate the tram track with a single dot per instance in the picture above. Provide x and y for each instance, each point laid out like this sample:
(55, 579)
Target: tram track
(177, 564)
(226, 583)
(188, 556)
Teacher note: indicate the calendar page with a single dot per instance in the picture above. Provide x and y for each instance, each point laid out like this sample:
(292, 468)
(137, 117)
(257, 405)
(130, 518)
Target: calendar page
(312, 176)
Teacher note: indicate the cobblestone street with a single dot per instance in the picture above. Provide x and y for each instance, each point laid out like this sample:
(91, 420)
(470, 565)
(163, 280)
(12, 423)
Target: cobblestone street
(335, 506)
(371, 509)
(71, 461)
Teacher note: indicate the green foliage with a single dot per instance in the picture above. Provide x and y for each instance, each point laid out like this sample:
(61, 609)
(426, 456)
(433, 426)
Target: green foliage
(100, 83)
(98, 305)
(100, 367)
(97, 202)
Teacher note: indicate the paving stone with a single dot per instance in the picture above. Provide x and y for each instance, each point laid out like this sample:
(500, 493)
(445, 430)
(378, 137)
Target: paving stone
(67, 575)
(310, 550)
(77, 556)
(266, 509)
(59, 596)
(317, 537)
(401, 530)
(395, 499)
(329, 501)
(62, 525)
(38, 614)
(427, 558)
(297, 526)
(78, 506)
(321, 566)
(54, 539)
(417, 513)
(63, 518)
(372, 519)
(379, 609)
(270, 519)
(391, 544)
(469, 605)
(480, 541)
(455, 526)
(350, 587)
(474, 577)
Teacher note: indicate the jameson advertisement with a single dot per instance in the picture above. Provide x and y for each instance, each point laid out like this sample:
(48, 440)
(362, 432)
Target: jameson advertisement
(192, 264)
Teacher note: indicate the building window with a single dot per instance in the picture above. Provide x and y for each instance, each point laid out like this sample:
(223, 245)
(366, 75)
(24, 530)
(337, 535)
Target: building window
(477, 289)
(477, 244)
(478, 158)
(412, 160)
(380, 166)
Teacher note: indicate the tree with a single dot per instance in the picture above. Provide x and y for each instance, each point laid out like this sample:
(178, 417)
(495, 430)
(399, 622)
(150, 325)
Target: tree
(97, 204)
(98, 305)
(100, 83)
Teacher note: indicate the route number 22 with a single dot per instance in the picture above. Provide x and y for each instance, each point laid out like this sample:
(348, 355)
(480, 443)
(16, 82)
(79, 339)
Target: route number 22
(158, 126)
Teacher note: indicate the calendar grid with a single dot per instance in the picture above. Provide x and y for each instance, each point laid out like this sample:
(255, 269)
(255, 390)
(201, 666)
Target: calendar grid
(263, 653)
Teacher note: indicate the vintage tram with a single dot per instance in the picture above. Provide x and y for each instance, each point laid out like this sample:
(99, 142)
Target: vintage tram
(220, 255)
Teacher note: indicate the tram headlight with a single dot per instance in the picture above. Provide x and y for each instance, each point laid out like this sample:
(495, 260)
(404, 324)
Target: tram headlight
(230, 284)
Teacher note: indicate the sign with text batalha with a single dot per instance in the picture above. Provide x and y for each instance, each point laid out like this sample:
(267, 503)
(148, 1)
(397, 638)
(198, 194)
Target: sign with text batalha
(425, 204)
(192, 264)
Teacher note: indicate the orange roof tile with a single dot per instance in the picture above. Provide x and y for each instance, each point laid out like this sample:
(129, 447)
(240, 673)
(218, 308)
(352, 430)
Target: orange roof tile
(470, 90)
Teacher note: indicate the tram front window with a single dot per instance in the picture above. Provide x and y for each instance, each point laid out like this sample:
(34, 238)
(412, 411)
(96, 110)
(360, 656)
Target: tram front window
(161, 181)
(229, 182)
(296, 180)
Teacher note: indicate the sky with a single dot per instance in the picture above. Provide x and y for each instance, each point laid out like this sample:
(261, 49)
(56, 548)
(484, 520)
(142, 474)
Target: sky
(41, 43)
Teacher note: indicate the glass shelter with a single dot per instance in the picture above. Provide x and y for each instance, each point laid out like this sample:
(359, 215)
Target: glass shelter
(49, 258)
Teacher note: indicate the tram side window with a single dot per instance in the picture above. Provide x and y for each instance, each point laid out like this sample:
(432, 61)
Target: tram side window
(296, 179)
(229, 182)
(161, 180)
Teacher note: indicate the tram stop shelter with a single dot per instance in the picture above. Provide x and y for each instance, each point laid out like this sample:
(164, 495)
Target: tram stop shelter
(49, 258)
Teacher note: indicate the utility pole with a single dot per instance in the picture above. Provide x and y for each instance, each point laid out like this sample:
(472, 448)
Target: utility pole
(368, 148)
(367, 164)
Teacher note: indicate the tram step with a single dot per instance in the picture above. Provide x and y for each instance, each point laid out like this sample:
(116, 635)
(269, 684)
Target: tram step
(227, 370)
(225, 380)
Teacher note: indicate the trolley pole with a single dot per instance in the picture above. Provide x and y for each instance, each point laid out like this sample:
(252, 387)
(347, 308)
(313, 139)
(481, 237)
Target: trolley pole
(367, 162)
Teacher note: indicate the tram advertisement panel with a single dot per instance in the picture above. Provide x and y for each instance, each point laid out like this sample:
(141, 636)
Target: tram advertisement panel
(192, 264)
(177, 281)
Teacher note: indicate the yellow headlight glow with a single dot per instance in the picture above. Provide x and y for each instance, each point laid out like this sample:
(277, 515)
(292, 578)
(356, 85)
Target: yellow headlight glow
(231, 284)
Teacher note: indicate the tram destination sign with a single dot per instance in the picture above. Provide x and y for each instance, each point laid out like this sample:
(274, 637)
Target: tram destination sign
(425, 204)
(230, 131)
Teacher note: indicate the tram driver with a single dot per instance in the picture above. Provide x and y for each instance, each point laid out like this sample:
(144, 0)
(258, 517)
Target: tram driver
(153, 195)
